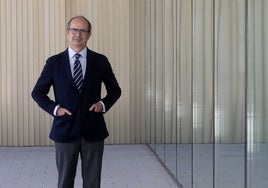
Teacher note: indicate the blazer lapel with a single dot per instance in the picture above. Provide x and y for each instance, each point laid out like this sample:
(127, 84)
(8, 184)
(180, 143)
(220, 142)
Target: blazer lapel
(89, 67)
(67, 69)
(67, 76)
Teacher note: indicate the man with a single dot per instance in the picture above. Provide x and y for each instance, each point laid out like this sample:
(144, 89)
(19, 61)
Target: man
(76, 76)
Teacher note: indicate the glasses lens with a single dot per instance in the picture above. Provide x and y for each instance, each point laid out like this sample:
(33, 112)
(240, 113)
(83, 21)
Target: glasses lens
(81, 31)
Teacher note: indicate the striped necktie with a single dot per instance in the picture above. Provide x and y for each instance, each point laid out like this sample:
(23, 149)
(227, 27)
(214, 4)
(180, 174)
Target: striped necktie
(78, 74)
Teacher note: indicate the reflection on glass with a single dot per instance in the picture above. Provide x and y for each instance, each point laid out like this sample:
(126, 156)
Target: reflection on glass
(202, 94)
(257, 92)
(229, 93)
(184, 93)
(170, 94)
(207, 104)
(159, 80)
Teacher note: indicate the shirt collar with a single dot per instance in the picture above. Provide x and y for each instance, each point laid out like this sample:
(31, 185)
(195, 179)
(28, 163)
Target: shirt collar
(71, 52)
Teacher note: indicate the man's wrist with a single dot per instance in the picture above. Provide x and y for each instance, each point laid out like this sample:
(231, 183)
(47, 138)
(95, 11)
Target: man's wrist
(103, 106)
(55, 110)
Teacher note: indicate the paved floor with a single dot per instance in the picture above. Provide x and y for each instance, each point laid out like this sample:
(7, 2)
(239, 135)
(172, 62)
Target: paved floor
(217, 166)
(124, 166)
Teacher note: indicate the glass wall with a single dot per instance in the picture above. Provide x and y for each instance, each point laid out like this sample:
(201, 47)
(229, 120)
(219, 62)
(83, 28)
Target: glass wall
(257, 92)
(206, 80)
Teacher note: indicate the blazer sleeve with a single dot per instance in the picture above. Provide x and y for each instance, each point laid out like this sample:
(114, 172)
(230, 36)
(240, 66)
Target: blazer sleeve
(112, 87)
(42, 87)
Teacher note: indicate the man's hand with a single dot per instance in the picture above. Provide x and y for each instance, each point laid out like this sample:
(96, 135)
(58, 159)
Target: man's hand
(62, 111)
(97, 107)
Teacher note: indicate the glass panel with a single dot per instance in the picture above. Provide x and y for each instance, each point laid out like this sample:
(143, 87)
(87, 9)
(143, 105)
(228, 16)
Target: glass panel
(150, 76)
(184, 93)
(229, 93)
(203, 94)
(257, 92)
(170, 107)
(202, 91)
(159, 79)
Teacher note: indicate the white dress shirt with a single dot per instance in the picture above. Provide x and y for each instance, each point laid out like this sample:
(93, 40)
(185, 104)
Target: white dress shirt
(82, 59)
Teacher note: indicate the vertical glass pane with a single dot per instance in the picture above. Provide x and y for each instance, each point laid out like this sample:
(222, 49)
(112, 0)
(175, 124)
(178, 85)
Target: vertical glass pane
(150, 76)
(159, 79)
(170, 86)
(184, 93)
(203, 94)
(257, 92)
(229, 93)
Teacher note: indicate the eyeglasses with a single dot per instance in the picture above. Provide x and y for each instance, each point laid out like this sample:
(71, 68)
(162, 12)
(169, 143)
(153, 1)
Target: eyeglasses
(81, 31)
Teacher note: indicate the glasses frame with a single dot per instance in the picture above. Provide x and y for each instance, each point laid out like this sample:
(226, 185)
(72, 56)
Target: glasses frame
(81, 31)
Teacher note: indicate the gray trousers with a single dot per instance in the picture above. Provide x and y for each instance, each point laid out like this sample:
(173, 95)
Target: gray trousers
(91, 162)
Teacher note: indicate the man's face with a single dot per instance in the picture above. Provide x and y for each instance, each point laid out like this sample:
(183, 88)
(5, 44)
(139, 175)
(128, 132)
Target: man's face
(78, 34)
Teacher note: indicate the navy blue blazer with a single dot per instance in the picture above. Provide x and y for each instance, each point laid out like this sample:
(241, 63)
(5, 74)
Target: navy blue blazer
(82, 122)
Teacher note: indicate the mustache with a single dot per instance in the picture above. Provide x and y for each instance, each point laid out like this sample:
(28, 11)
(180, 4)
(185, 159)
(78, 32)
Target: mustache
(77, 38)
